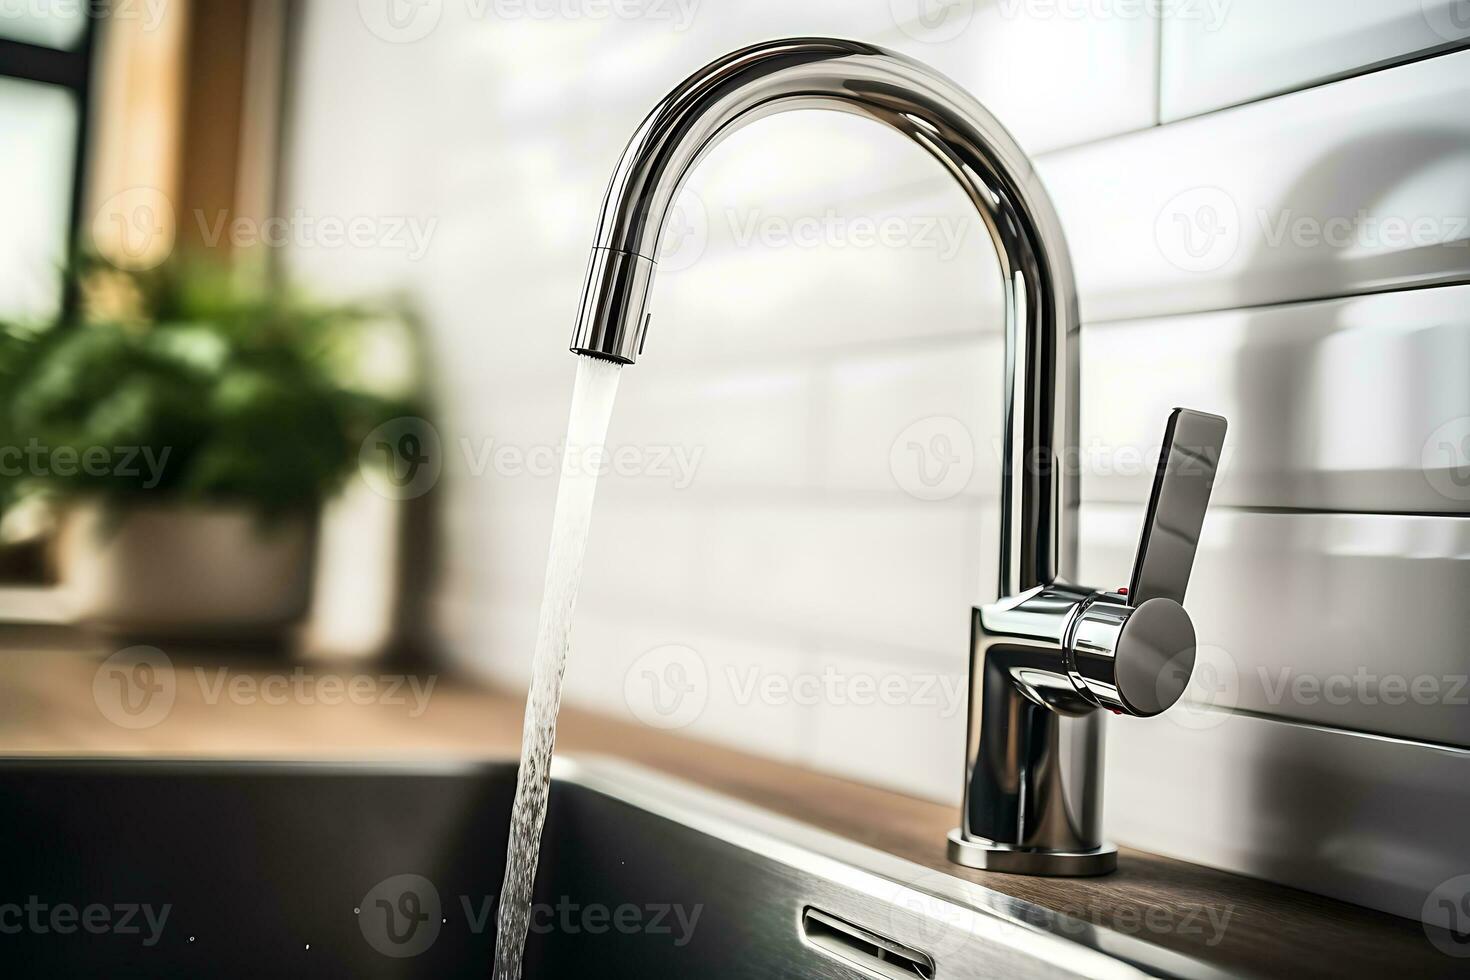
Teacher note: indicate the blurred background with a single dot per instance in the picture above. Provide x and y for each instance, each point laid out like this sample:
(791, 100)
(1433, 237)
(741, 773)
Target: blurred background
(328, 255)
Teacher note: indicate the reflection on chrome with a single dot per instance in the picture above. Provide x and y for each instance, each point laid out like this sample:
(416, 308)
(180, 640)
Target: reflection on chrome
(1049, 657)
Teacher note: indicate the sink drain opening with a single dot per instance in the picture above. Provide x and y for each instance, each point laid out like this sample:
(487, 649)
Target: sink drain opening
(866, 950)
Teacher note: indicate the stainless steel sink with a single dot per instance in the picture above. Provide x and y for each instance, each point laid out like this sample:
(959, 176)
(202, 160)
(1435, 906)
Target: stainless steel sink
(187, 869)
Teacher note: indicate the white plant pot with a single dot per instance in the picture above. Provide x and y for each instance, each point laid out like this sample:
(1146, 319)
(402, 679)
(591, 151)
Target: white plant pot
(208, 572)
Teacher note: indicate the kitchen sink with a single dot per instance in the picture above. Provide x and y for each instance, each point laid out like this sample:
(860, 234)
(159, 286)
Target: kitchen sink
(187, 869)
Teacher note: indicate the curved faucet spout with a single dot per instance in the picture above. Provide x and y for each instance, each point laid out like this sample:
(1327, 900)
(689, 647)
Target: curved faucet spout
(1038, 494)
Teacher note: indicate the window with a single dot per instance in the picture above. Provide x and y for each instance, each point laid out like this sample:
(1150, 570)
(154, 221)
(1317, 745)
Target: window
(45, 62)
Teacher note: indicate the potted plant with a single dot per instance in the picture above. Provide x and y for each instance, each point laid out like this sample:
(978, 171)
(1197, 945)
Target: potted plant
(186, 430)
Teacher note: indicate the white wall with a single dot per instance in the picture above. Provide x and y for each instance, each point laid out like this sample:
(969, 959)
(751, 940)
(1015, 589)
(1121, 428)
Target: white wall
(810, 381)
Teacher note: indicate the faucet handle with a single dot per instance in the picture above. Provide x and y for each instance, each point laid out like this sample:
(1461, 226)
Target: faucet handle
(1190, 456)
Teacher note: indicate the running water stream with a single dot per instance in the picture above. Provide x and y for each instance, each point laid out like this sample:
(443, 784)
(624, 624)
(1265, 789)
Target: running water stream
(592, 403)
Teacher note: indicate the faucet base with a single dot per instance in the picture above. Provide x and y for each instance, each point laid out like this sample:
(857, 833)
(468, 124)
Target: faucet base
(989, 856)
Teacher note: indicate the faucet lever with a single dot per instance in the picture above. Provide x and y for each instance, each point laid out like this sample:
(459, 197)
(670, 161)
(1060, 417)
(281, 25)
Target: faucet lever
(1193, 442)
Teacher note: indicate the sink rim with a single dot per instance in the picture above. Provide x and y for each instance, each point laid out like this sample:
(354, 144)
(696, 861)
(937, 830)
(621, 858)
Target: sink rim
(1066, 943)
(974, 913)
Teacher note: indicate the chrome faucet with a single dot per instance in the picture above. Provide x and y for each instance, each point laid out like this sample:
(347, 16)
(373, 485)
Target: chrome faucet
(1050, 658)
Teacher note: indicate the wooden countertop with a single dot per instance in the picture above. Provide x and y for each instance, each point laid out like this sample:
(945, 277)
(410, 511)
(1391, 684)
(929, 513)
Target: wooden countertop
(1240, 925)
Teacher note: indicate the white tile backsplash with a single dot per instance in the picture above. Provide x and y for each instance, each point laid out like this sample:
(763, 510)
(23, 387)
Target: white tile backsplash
(1350, 620)
(1347, 405)
(878, 573)
(882, 408)
(1353, 187)
(1249, 49)
(689, 679)
(1373, 819)
(746, 426)
(863, 701)
(1054, 74)
(822, 531)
